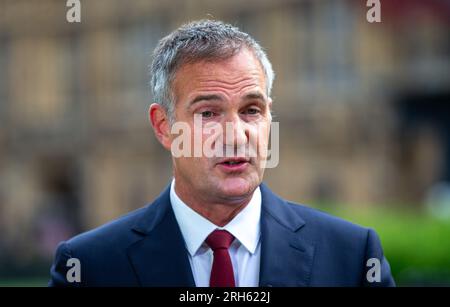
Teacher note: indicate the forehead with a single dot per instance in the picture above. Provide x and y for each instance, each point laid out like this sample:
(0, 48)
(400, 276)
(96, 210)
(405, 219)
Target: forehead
(233, 75)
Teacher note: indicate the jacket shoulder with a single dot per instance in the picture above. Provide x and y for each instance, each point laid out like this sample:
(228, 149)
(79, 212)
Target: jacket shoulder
(329, 225)
(112, 234)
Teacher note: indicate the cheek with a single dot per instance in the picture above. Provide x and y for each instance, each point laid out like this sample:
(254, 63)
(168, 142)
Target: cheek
(262, 145)
(185, 164)
(193, 166)
(260, 134)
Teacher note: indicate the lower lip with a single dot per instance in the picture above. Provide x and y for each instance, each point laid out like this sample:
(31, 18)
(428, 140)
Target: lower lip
(230, 168)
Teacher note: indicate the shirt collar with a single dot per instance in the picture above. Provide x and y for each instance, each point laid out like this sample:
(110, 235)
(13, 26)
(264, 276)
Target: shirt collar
(245, 226)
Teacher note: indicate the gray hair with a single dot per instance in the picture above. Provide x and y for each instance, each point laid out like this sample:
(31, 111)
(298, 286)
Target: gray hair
(196, 41)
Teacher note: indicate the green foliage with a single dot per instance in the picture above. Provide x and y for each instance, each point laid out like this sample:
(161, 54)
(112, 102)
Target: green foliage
(25, 282)
(416, 244)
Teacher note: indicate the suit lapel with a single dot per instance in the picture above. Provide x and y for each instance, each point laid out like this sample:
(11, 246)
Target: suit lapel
(286, 256)
(159, 257)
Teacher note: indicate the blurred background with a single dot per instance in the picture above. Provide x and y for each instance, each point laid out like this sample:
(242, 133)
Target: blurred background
(364, 112)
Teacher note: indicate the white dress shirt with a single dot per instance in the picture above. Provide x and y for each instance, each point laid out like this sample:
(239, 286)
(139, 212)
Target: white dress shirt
(245, 251)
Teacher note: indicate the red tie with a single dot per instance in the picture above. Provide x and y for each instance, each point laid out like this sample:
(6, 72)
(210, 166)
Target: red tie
(222, 269)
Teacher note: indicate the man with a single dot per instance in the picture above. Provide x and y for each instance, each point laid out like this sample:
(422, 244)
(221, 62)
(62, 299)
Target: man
(217, 224)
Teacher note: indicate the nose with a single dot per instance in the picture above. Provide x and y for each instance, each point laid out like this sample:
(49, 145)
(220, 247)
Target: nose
(236, 134)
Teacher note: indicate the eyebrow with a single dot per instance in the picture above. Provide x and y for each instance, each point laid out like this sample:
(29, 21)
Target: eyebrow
(206, 98)
(252, 95)
(255, 95)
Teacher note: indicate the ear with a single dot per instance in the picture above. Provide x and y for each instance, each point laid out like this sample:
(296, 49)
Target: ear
(160, 122)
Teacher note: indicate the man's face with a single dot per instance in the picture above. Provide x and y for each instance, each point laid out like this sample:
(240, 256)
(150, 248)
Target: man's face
(231, 94)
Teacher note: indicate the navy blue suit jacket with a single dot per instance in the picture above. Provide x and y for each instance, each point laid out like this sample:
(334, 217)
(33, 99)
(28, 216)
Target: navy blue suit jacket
(300, 246)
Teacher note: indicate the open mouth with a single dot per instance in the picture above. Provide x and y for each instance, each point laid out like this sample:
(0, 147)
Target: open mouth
(234, 164)
(234, 161)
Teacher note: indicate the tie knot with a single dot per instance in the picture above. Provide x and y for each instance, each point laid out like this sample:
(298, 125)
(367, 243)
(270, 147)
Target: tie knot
(219, 239)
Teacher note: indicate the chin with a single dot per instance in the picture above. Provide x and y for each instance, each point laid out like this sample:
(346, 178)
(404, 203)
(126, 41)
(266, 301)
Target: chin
(236, 187)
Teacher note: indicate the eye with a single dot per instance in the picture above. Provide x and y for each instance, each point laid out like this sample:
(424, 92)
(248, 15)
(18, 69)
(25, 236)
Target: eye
(252, 111)
(207, 114)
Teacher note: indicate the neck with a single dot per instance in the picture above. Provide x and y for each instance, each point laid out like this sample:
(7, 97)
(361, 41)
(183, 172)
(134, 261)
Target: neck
(219, 212)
